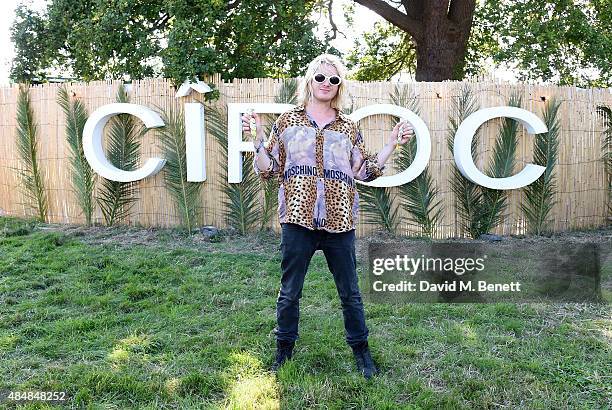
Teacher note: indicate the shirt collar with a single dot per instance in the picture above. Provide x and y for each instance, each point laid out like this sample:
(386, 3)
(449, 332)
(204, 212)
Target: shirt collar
(339, 114)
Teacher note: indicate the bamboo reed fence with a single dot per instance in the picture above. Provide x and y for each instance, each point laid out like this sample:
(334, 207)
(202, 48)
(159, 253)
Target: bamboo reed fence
(581, 185)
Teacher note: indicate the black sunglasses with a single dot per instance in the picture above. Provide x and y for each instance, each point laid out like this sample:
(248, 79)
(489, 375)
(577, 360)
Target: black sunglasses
(333, 80)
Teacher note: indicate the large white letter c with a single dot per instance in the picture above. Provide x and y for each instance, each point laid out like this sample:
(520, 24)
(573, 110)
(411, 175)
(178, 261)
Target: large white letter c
(92, 142)
(463, 143)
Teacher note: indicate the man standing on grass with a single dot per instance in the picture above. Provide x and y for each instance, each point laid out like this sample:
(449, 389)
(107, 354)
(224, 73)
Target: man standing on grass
(317, 152)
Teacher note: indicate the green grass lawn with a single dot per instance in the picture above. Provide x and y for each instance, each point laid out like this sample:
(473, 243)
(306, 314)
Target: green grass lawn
(136, 318)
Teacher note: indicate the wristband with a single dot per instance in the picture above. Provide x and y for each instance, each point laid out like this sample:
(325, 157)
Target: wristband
(257, 148)
(399, 135)
(252, 124)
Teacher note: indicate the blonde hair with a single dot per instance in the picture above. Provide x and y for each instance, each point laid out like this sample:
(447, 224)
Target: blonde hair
(305, 89)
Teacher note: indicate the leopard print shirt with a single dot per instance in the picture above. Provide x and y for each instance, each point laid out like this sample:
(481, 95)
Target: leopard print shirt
(316, 170)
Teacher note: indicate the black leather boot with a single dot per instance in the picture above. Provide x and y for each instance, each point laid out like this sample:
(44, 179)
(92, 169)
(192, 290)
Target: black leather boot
(363, 358)
(284, 351)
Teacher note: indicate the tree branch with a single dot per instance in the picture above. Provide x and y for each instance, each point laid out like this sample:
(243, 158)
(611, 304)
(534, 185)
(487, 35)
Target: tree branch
(161, 23)
(277, 36)
(401, 61)
(394, 16)
(231, 6)
(333, 25)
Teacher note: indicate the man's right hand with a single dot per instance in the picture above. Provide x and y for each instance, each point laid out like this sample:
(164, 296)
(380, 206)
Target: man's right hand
(246, 127)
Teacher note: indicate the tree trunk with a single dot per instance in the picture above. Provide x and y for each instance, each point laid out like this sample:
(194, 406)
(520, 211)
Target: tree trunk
(443, 42)
(440, 29)
(435, 61)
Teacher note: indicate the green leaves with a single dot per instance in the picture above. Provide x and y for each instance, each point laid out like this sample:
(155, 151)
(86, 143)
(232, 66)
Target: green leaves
(186, 195)
(178, 39)
(566, 42)
(286, 95)
(378, 207)
(606, 144)
(116, 199)
(29, 35)
(384, 52)
(606, 147)
(288, 92)
(502, 164)
(241, 40)
(27, 146)
(481, 209)
(82, 176)
(241, 199)
(419, 197)
(539, 196)
(468, 196)
(243, 208)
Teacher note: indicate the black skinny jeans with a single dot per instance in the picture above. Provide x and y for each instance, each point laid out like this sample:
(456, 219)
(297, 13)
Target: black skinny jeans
(298, 244)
